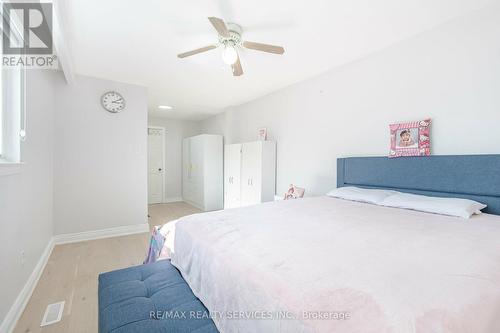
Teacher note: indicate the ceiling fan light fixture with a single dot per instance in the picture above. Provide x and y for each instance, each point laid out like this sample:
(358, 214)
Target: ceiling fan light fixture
(230, 39)
(229, 55)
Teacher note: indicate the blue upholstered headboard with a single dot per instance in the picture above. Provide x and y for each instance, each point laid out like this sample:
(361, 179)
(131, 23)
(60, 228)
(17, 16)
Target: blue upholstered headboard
(475, 177)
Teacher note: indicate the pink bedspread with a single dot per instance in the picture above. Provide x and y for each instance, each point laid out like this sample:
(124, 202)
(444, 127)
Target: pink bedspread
(329, 265)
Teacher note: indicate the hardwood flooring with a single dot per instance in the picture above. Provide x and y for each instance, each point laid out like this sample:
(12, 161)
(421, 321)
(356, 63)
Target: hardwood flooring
(72, 270)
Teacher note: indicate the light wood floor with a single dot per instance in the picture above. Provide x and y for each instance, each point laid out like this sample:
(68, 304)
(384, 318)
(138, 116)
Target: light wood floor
(162, 213)
(72, 270)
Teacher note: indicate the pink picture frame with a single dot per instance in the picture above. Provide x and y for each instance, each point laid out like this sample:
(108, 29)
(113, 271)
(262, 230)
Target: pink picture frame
(410, 139)
(262, 134)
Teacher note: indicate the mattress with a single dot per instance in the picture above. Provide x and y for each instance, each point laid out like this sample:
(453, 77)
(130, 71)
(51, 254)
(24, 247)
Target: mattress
(330, 265)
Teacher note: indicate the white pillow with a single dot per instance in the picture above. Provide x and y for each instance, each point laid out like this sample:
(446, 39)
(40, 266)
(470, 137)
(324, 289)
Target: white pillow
(445, 206)
(360, 194)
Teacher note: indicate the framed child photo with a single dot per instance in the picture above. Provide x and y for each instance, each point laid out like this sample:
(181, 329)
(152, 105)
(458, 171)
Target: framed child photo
(262, 134)
(410, 139)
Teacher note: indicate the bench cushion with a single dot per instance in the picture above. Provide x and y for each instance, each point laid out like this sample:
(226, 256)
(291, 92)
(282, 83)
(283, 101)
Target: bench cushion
(150, 298)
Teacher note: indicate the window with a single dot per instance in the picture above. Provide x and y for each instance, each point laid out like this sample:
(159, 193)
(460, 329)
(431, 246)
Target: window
(12, 103)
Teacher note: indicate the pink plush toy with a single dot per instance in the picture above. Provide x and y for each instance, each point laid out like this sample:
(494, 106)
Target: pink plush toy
(294, 192)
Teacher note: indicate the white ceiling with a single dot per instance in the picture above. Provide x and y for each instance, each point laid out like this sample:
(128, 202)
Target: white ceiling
(137, 42)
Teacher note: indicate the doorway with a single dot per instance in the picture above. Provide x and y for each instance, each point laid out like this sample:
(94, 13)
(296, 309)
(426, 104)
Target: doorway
(156, 165)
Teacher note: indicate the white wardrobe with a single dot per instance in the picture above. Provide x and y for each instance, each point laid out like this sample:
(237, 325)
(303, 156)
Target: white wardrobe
(202, 171)
(249, 173)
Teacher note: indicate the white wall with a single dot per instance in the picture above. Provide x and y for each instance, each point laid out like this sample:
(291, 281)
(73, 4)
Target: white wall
(176, 131)
(85, 170)
(100, 158)
(451, 74)
(26, 198)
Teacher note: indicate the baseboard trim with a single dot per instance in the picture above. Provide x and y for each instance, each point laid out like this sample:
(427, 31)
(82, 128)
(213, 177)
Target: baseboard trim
(16, 310)
(99, 234)
(173, 199)
(194, 204)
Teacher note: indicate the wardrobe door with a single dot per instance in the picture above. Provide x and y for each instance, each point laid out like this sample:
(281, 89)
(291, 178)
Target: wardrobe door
(232, 176)
(213, 172)
(187, 192)
(196, 156)
(268, 171)
(251, 173)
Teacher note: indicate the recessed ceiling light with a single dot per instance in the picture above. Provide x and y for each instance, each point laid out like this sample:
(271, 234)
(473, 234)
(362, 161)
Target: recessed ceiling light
(164, 107)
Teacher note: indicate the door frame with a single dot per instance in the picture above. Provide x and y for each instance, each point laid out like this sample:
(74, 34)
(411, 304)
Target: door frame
(164, 144)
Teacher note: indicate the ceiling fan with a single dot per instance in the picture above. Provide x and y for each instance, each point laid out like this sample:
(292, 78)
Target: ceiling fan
(230, 40)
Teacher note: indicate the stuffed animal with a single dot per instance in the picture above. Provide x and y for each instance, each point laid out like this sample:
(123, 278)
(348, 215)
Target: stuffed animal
(294, 192)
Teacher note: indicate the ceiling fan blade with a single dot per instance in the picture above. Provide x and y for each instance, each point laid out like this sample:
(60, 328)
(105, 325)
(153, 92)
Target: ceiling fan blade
(193, 52)
(264, 47)
(220, 26)
(237, 69)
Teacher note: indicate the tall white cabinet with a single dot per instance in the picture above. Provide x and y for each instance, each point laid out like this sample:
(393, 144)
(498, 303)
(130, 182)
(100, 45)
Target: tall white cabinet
(249, 173)
(202, 171)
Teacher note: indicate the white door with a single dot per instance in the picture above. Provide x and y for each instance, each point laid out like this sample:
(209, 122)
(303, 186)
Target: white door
(156, 164)
(232, 176)
(251, 173)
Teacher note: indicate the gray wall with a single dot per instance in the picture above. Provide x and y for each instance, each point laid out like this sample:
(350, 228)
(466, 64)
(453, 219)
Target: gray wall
(26, 198)
(451, 74)
(85, 170)
(100, 158)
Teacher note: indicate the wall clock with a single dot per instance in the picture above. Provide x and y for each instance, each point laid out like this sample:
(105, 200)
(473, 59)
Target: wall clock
(113, 102)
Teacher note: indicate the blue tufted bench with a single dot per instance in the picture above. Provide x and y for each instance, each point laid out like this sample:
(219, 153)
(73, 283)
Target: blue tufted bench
(150, 298)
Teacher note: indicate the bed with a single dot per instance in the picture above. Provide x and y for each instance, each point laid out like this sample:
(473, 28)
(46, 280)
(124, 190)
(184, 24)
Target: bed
(329, 265)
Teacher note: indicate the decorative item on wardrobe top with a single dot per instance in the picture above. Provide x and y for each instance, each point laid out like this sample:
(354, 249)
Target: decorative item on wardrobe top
(249, 173)
(263, 134)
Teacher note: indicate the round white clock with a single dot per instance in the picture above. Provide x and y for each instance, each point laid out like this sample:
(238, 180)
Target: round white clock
(113, 102)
